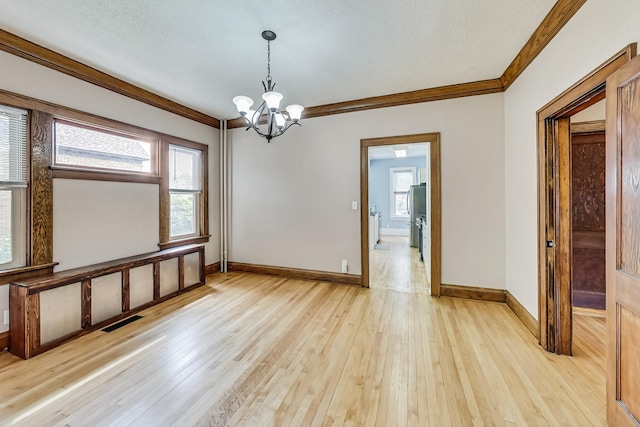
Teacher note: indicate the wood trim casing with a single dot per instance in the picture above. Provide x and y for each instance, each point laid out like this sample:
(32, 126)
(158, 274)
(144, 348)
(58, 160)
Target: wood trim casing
(297, 273)
(212, 268)
(594, 126)
(493, 295)
(551, 25)
(93, 121)
(472, 292)
(433, 139)
(30, 51)
(40, 215)
(4, 340)
(523, 314)
(95, 175)
(554, 304)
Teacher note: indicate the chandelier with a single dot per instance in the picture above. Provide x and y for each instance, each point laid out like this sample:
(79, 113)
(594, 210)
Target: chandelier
(277, 122)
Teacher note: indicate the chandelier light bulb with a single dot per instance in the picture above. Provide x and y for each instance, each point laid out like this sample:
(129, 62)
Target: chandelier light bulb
(243, 104)
(272, 99)
(295, 112)
(280, 120)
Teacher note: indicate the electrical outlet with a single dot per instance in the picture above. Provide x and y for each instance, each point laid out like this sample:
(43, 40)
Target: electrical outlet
(6, 317)
(345, 266)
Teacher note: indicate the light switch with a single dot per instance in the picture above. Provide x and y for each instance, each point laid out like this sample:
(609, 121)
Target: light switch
(354, 205)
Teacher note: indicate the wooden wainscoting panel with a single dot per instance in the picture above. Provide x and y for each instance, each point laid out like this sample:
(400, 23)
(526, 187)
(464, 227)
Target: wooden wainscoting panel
(523, 314)
(60, 312)
(557, 17)
(40, 55)
(471, 292)
(298, 273)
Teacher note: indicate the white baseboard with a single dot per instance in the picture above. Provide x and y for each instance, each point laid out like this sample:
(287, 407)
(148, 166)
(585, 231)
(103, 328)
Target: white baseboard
(394, 232)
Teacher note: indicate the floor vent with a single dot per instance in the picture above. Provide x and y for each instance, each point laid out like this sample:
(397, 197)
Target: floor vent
(121, 323)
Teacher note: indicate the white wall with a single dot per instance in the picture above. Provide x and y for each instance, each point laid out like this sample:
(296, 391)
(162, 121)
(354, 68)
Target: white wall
(102, 221)
(599, 30)
(291, 199)
(27, 78)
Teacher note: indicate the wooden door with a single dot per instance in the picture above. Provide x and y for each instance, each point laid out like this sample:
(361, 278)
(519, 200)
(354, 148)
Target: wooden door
(588, 220)
(623, 245)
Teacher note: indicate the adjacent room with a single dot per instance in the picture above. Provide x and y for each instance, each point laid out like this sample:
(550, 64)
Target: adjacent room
(322, 213)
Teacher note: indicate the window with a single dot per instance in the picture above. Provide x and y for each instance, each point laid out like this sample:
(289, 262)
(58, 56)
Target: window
(80, 146)
(13, 187)
(401, 180)
(185, 186)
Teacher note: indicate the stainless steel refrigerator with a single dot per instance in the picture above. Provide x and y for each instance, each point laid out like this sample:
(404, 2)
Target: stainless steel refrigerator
(417, 207)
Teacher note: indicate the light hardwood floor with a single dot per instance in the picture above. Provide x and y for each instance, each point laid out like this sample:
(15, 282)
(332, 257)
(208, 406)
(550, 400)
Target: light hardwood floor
(255, 350)
(397, 267)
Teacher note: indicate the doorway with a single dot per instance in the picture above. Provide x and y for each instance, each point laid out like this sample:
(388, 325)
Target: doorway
(555, 228)
(398, 193)
(395, 221)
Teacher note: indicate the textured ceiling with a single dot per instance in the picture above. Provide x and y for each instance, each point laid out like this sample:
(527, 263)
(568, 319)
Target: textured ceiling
(201, 53)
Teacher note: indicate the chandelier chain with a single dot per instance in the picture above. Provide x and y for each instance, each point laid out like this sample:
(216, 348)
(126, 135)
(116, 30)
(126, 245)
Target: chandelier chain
(268, 60)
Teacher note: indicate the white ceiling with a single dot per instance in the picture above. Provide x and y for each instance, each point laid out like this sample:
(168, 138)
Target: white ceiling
(201, 53)
(387, 151)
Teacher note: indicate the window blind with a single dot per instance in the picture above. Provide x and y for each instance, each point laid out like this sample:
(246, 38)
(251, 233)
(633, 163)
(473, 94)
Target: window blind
(13, 147)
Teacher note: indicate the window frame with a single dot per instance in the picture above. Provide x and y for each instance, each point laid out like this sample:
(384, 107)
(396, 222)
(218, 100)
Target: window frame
(202, 232)
(20, 195)
(197, 169)
(392, 191)
(63, 170)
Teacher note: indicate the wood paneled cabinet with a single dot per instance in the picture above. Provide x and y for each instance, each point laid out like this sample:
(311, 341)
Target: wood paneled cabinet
(49, 310)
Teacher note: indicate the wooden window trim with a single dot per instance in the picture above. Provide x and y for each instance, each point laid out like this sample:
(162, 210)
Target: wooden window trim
(21, 273)
(182, 242)
(165, 217)
(102, 175)
(42, 172)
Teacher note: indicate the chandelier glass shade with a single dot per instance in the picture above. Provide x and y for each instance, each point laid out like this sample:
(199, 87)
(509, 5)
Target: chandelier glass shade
(268, 120)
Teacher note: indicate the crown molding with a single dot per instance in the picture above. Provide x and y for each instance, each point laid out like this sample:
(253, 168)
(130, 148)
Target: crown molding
(481, 87)
(40, 55)
(551, 25)
(555, 20)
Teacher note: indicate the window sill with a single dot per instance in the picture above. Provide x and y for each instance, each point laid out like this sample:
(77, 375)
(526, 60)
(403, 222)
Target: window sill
(181, 242)
(399, 218)
(20, 273)
(96, 175)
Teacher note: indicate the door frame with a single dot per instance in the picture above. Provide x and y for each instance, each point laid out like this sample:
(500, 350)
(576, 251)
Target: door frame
(433, 139)
(554, 202)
